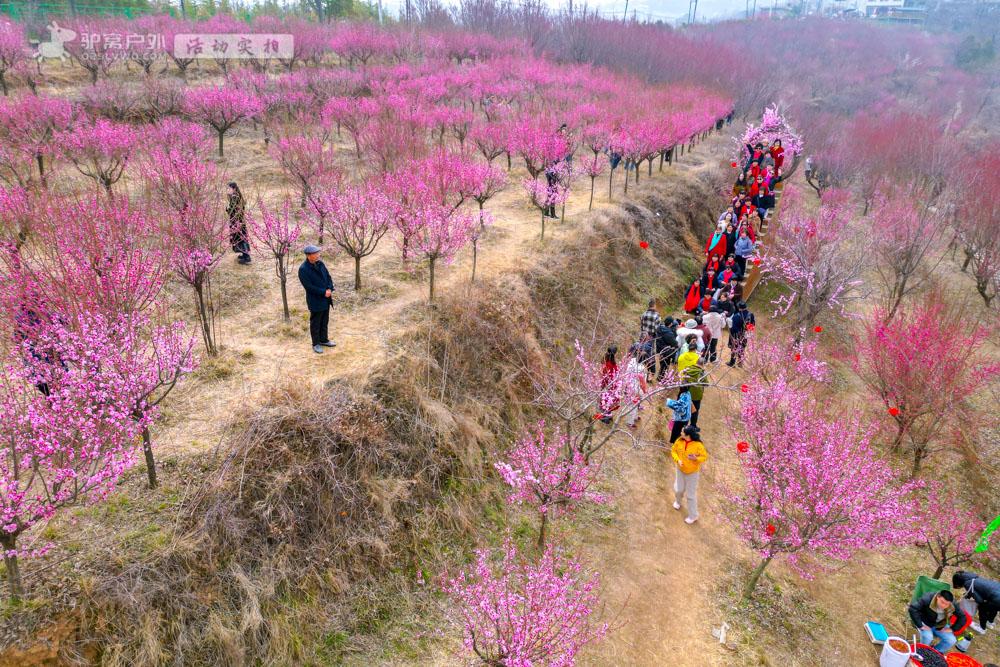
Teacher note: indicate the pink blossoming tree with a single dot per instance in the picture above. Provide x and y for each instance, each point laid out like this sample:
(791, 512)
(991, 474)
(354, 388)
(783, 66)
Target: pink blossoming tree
(812, 485)
(549, 475)
(100, 151)
(277, 231)
(924, 371)
(523, 612)
(820, 256)
(360, 215)
(221, 108)
(66, 418)
(951, 529)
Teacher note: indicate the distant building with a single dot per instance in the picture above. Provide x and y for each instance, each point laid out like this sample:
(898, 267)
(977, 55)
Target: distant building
(894, 11)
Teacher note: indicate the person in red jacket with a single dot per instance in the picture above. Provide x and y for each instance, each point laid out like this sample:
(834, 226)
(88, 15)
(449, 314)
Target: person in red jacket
(693, 297)
(609, 373)
(716, 245)
(777, 153)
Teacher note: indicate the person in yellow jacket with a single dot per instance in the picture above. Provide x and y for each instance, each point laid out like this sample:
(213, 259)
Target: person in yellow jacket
(688, 454)
(689, 356)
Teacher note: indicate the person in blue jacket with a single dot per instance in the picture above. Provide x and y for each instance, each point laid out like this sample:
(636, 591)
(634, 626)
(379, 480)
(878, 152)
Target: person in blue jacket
(316, 280)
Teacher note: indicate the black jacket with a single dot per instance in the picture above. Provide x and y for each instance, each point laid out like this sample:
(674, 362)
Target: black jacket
(984, 591)
(665, 341)
(316, 280)
(740, 321)
(921, 614)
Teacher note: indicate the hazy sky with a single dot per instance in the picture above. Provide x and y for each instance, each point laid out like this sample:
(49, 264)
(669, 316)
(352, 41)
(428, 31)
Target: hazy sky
(665, 10)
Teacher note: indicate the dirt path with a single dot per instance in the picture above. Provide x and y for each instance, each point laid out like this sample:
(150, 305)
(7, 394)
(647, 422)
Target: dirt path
(260, 350)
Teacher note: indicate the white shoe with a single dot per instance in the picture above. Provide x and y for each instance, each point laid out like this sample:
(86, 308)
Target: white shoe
(989, 626)
(689, 521)
(978, 628)
(677, 506)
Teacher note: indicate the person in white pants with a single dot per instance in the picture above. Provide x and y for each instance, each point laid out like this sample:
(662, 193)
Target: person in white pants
(688, 454)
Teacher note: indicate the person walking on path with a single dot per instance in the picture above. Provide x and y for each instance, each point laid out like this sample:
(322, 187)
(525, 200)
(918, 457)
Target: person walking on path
(688, 454)
(715, 321)
(649, 321)
(236, 210)
(739, 325)
(609, 376)
(695, 377)
(635, 376)
(682, 407)
(318, 284)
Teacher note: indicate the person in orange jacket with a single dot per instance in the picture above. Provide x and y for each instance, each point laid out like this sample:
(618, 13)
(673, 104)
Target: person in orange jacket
(688, 454)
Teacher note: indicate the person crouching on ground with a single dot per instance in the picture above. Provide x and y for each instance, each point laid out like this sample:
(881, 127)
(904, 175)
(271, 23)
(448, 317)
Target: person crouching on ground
(935, 615)
(319, 297)
(688, 454)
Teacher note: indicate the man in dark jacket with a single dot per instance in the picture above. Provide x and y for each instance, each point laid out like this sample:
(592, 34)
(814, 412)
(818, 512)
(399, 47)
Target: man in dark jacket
(935, 615)
(986, 593)
(665, 345)
(739, 325)
(319, 297)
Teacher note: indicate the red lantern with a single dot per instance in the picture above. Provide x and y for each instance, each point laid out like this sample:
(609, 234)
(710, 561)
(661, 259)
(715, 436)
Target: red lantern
(771, 530)
(742, 446)
(798, 357)
(732, 164)
(745, 388)
(643, 245)
(756, 261)
(894, 411)
(818, 329)
(597, 416)
(751, 327)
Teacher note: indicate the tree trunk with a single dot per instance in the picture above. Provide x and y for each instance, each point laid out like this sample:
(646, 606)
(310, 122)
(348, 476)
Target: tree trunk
(543, 226)
(3, 84)
(147, 451)
(432, 279)
(283, 281)
(627, 170)
(651, 167)
(475, 253)
(611, 184)
(357, 273)
(206, 326)
(9, 542)
(220, 143)
(542, 531)
(919, 451)
(754, 578)
(590, 206)
(938, 572)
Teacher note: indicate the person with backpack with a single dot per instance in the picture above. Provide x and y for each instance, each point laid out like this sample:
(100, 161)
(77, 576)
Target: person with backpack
(665, 346)
(695, 377)
(688, 454)
(683, 408)
(740, 325)
(985, 592)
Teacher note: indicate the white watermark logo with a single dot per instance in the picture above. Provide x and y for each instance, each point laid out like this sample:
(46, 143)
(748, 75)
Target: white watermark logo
(233, 45)
(54, 47)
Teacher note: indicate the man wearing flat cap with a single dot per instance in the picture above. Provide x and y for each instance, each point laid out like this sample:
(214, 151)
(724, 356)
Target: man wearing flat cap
(319, 297)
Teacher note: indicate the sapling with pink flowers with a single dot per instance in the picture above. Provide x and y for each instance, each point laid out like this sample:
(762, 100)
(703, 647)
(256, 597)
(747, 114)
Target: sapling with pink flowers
(360, 215)
(66, 418)
(277, 230)
(522, 611)
(221, 108)
(485, 182)
(305, 160)
(951, 529)
(100, 151)
(820, 256)
(548, 474)
(13, 51)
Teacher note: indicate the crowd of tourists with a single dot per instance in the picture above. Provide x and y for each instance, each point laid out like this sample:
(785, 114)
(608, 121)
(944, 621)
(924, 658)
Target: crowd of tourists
(716, 318)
